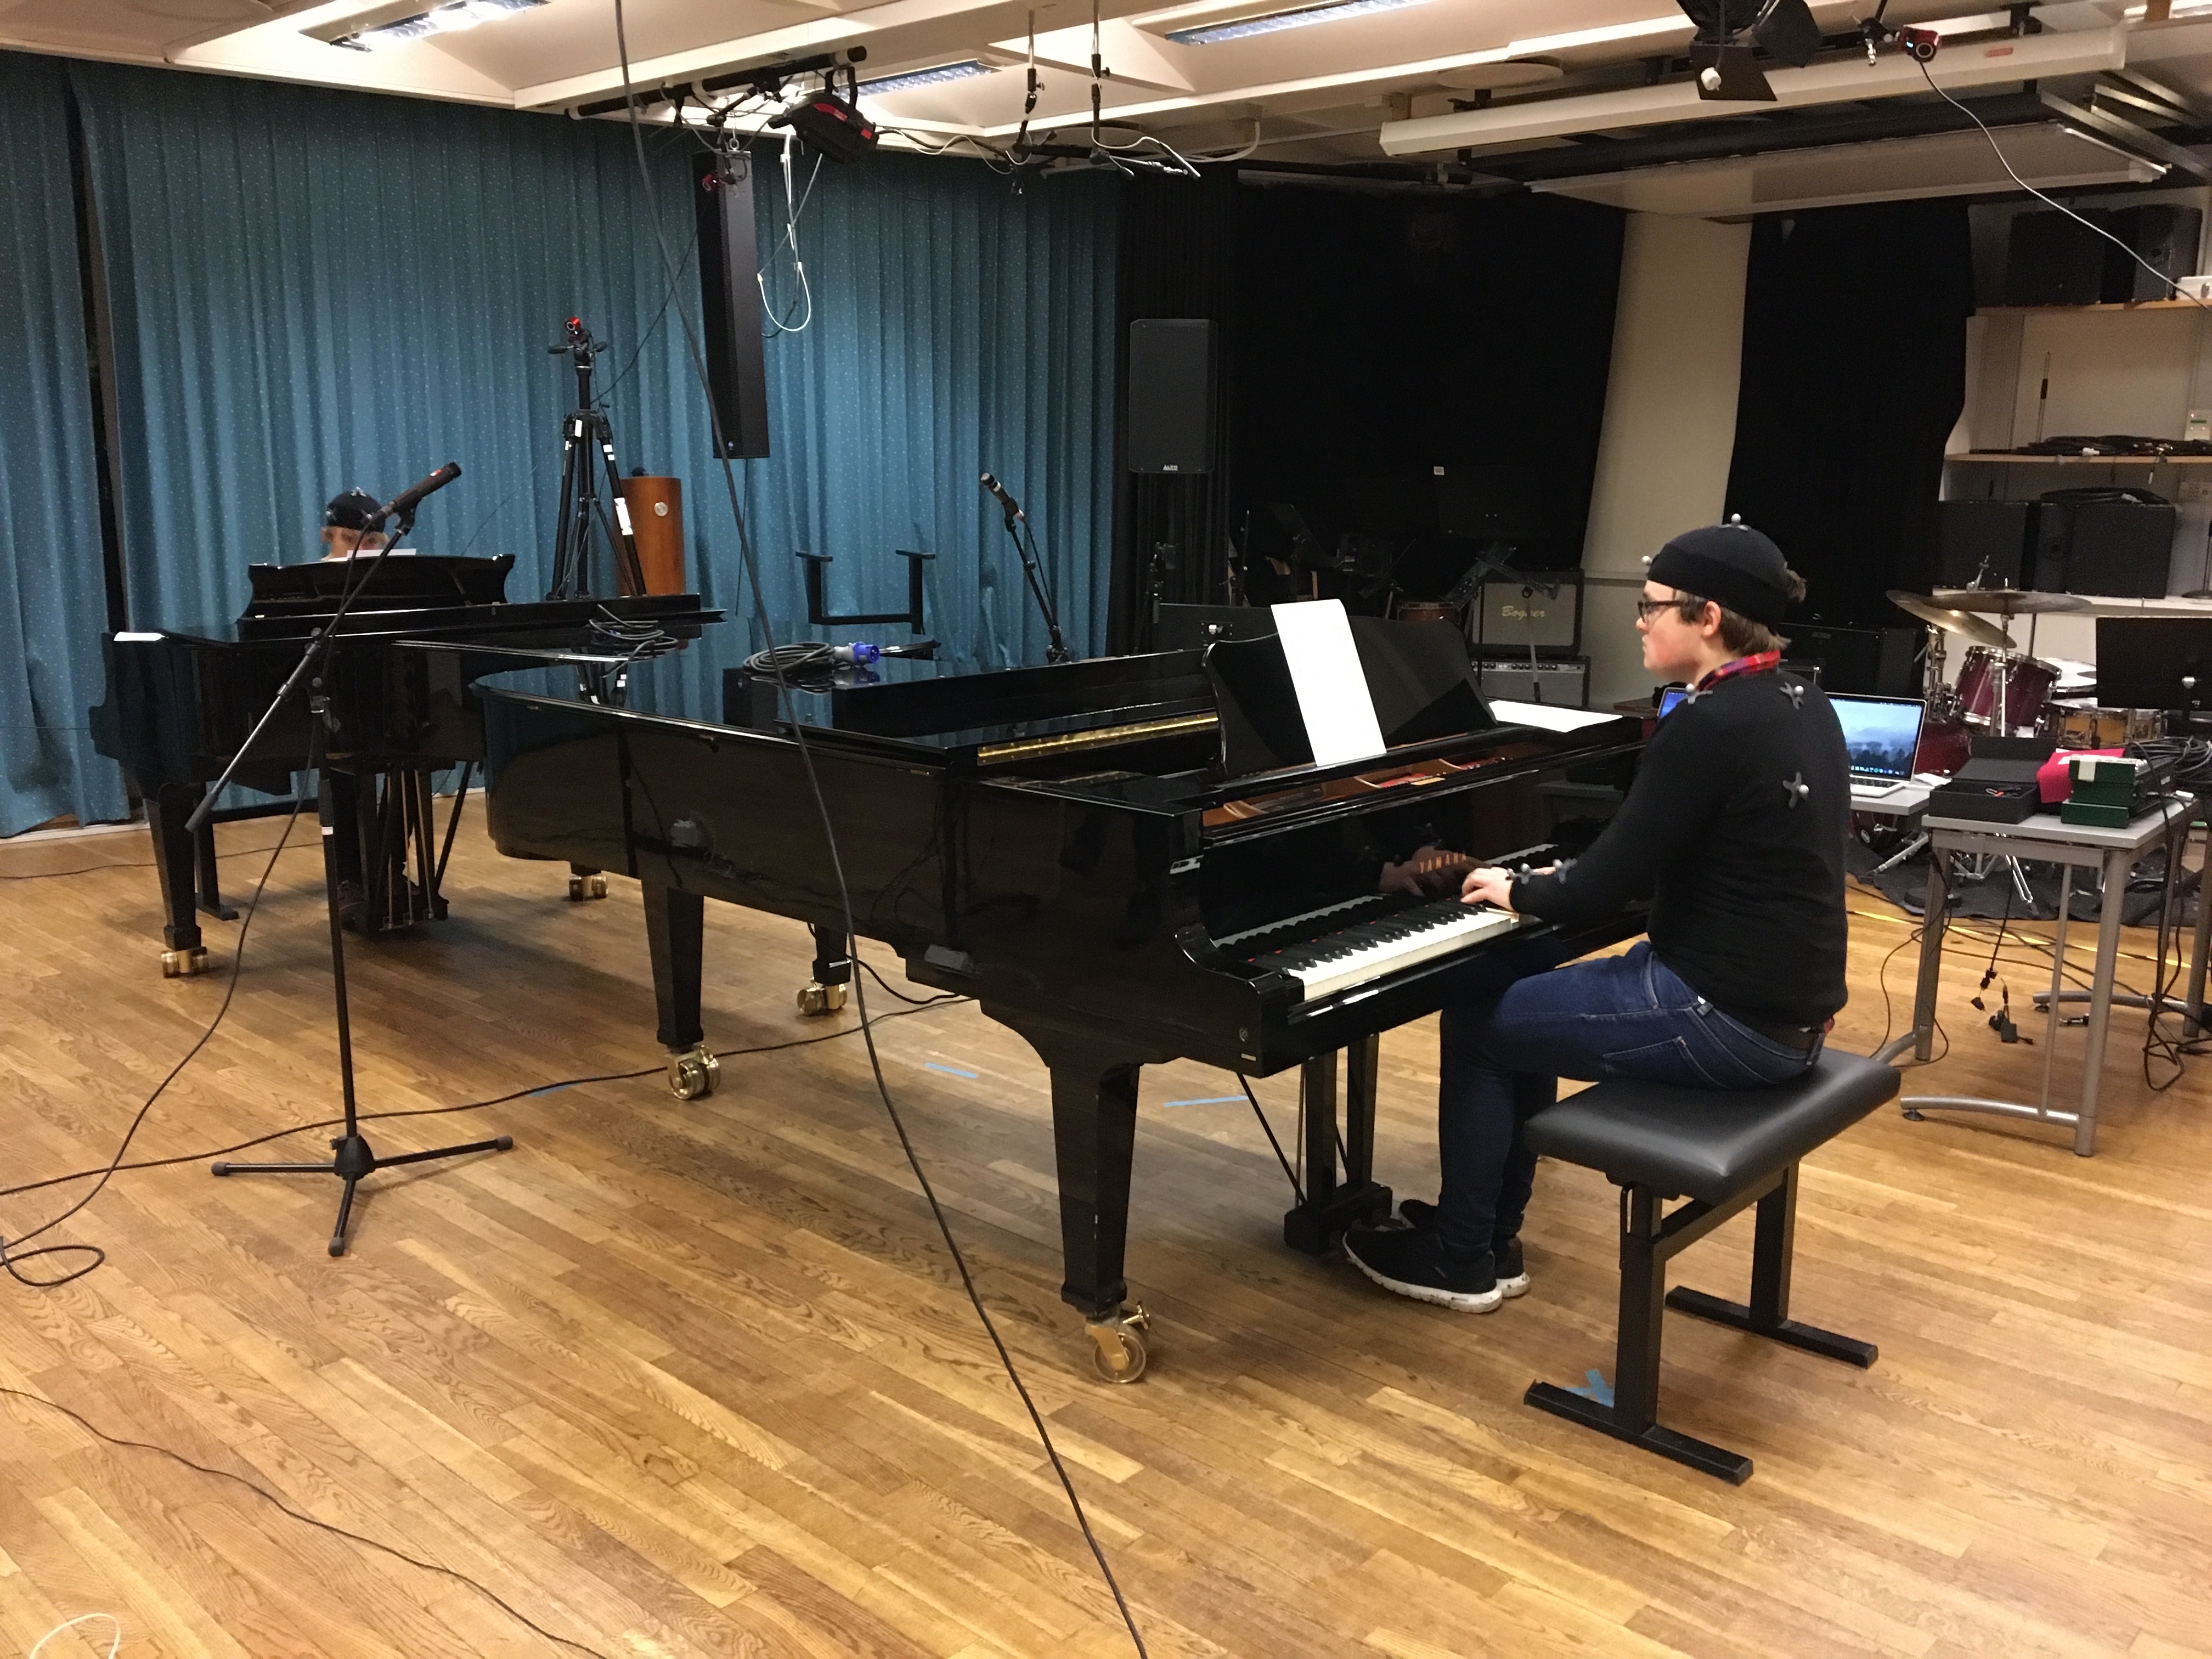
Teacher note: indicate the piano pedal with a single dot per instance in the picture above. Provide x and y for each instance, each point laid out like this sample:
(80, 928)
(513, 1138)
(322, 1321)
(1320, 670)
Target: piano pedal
(816, 998)
(693, 1074)
(590, 885)
(1118, 1352)
(183, 964)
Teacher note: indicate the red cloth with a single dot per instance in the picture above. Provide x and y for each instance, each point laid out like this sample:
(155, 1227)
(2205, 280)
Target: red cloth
(2054, 779)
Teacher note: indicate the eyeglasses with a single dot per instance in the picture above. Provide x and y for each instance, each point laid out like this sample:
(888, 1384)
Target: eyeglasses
(1685, 603)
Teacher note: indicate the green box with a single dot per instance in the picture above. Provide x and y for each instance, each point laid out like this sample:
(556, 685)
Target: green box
(2104, 790)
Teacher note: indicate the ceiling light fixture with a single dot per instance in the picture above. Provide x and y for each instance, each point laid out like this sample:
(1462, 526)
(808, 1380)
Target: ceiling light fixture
(966, 69)
(449, 18)
(1209, 35)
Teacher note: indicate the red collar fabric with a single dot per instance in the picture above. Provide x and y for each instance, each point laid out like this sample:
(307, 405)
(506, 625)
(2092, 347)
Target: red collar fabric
(1761, 662)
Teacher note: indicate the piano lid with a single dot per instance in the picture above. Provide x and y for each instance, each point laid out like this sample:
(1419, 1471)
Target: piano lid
(390, 579)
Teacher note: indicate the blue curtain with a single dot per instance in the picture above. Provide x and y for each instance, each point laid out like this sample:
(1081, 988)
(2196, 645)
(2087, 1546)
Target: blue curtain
(53, 605)
(315, 289)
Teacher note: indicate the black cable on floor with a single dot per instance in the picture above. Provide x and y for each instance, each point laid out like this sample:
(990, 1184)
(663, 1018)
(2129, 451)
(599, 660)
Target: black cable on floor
(919, 1002)
(12, 1254)
(283, 1507)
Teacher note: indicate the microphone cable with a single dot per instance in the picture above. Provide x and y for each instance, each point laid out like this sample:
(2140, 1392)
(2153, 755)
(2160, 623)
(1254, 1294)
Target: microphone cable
(751, 563)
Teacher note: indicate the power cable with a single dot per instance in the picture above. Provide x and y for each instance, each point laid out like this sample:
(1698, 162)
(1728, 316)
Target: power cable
(283, 1507)
(838, 866)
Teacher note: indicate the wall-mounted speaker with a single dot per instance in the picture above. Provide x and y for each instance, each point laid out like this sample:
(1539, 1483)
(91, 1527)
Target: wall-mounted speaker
(729, 271)
(1170, 402)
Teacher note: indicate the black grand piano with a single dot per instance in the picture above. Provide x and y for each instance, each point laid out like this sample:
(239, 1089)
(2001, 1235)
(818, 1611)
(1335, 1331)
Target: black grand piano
(1126, 860)
(182, 700)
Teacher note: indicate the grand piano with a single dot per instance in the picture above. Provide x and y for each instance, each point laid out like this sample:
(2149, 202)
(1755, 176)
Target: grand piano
(1126, 860)
(182, 702)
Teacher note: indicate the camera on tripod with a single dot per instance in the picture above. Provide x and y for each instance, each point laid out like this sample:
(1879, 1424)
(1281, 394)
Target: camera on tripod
(583, 350)
(582, 513)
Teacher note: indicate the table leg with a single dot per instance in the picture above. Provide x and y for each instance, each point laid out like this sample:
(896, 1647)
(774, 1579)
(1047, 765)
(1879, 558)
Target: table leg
(2195, 1026)
(2058, 982)
(2114, 901)
(1931, 953)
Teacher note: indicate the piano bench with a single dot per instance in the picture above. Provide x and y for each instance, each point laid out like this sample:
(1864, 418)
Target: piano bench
(1722, 1150)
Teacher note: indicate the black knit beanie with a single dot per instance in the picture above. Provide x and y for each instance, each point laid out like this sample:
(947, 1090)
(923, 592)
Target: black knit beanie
(1730, 563)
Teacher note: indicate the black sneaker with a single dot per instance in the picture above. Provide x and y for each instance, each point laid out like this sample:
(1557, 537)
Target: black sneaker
(1414, 1262)
(1512, 1272)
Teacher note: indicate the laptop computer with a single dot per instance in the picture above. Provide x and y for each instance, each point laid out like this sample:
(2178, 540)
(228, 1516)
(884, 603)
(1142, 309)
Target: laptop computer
(1881, 735)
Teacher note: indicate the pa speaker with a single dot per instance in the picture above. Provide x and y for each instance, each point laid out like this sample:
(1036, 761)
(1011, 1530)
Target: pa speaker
(729, 271)
(1170, 403)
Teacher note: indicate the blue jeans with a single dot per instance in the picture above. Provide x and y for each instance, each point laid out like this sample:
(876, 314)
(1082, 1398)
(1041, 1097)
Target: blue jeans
(1625, 1016)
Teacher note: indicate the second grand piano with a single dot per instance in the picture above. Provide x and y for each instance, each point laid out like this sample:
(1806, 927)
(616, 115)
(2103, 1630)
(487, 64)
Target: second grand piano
(1126, 860)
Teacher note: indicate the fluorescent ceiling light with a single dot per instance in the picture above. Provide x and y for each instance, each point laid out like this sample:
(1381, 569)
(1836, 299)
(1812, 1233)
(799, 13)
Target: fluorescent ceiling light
(1209, 35)
(450, 19)
(966, 69)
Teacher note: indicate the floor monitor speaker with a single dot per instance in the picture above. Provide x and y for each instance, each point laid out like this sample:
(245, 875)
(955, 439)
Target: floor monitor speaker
(729, 272)
(1170, 407)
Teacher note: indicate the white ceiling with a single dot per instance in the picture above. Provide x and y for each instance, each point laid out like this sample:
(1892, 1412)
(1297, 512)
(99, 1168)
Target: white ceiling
(1318, 93)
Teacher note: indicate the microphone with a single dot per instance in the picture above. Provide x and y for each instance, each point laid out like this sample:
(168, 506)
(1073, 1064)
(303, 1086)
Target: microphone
(406, 500)
(1013, 508)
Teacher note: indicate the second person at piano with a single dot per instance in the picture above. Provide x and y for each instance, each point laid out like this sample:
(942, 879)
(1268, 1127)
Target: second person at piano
(346, 519)
(1734, 830)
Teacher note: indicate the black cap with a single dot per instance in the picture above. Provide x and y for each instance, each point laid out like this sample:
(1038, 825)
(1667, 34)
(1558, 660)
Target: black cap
(1731, 564)
(353, 509)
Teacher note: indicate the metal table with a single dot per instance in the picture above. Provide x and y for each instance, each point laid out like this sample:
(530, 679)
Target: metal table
(2115, 853)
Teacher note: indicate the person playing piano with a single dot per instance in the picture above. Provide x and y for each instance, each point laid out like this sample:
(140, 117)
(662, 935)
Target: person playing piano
(1735, 831)
(345, 524)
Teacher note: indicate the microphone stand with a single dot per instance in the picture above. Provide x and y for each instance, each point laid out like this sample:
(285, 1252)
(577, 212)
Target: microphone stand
(352, 1160)
(1056, 651)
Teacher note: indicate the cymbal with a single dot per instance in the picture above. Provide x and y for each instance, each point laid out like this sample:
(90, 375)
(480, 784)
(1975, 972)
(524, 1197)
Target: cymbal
(2007, 601)
(1963, 623)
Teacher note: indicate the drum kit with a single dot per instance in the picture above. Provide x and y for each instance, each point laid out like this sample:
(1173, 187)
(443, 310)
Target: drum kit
(2002, 690)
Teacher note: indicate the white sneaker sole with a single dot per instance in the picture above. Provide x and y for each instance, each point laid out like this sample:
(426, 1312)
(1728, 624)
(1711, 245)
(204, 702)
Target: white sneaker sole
(1475, 1302)
(1514, 1286)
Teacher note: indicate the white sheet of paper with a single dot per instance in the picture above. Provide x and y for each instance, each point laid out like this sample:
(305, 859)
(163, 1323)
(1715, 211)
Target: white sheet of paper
(1332, 688)
(1545, 716)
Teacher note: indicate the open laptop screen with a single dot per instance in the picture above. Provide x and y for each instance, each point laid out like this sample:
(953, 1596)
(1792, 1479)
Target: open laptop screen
(1881, 734)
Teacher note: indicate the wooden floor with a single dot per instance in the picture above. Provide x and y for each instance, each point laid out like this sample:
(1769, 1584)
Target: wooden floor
(698, 1379)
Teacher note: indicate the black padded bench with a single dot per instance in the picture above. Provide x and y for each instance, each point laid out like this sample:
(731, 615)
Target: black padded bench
(1722, 1149)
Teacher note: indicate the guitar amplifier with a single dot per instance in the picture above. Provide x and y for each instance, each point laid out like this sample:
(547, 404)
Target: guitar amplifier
(1561, 682)
(1545, 612)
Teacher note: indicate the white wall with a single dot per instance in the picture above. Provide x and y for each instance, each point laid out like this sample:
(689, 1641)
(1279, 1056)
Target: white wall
(1663, 457)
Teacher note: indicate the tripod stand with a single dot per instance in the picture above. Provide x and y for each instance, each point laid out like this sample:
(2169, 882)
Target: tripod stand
(584, 428)
(353, 1160)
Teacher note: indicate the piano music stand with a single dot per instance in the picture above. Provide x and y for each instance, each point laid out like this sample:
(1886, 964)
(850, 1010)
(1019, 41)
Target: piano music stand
(352, 1159)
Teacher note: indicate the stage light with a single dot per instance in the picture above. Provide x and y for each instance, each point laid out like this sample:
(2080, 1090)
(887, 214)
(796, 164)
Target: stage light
(829, 124)
(1210, 34)
(450, 19)
(1727, 32)
(967, 70)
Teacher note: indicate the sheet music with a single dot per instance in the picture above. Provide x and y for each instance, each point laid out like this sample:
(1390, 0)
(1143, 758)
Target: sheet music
(1332, 688)
(1549, 716)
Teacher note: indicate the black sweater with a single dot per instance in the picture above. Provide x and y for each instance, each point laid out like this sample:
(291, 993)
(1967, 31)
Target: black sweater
(1745, 873)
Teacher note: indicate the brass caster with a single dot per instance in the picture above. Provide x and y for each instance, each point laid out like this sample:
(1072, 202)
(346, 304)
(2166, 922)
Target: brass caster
(593, 886)
(183, 964)
(816, 998)
(693, 1074)
(1117, 1352)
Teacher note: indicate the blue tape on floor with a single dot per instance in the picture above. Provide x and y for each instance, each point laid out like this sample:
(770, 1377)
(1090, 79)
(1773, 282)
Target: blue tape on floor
(1210, 1100)
(1599, 1388)
(951, 1071)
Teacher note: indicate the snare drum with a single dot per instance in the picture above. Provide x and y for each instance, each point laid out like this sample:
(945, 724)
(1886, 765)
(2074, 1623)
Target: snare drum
(2028, 681)
(2074, 727)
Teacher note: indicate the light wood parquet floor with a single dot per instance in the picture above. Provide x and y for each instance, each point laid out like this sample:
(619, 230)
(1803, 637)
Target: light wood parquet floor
(681, 1380)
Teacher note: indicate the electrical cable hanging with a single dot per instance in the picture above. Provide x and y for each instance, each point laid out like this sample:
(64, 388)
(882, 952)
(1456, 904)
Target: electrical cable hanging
(793, 205)
(751, 561)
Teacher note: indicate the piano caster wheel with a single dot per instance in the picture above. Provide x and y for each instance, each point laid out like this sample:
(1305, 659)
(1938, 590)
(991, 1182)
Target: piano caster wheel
(183, 964)
(693, 1074)
(1118, 1352)
(593, 886)
(818, 999)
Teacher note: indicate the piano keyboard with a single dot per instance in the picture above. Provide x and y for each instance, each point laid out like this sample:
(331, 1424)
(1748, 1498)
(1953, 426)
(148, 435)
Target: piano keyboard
(1370, 950)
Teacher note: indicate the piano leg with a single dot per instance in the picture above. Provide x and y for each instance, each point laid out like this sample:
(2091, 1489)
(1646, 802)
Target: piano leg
(585, 883)
(1094, 1132)
(166, 809)
(675, 936)
(1331, 1206)
(833, 972)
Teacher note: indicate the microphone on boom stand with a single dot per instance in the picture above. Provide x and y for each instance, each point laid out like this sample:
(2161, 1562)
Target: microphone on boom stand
(404, 504)
(1024, 540)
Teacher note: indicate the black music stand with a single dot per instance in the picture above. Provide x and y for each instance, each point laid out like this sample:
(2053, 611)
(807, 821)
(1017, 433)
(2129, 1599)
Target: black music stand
(353, 1160)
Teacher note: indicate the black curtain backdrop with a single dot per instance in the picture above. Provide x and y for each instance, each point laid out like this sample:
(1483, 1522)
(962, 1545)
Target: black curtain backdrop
(1854, 374)
(1178, 257)
(1379, 335)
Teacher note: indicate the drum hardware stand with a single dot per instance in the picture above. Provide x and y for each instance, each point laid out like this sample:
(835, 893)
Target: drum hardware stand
(584, 428)
(352, 1160)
